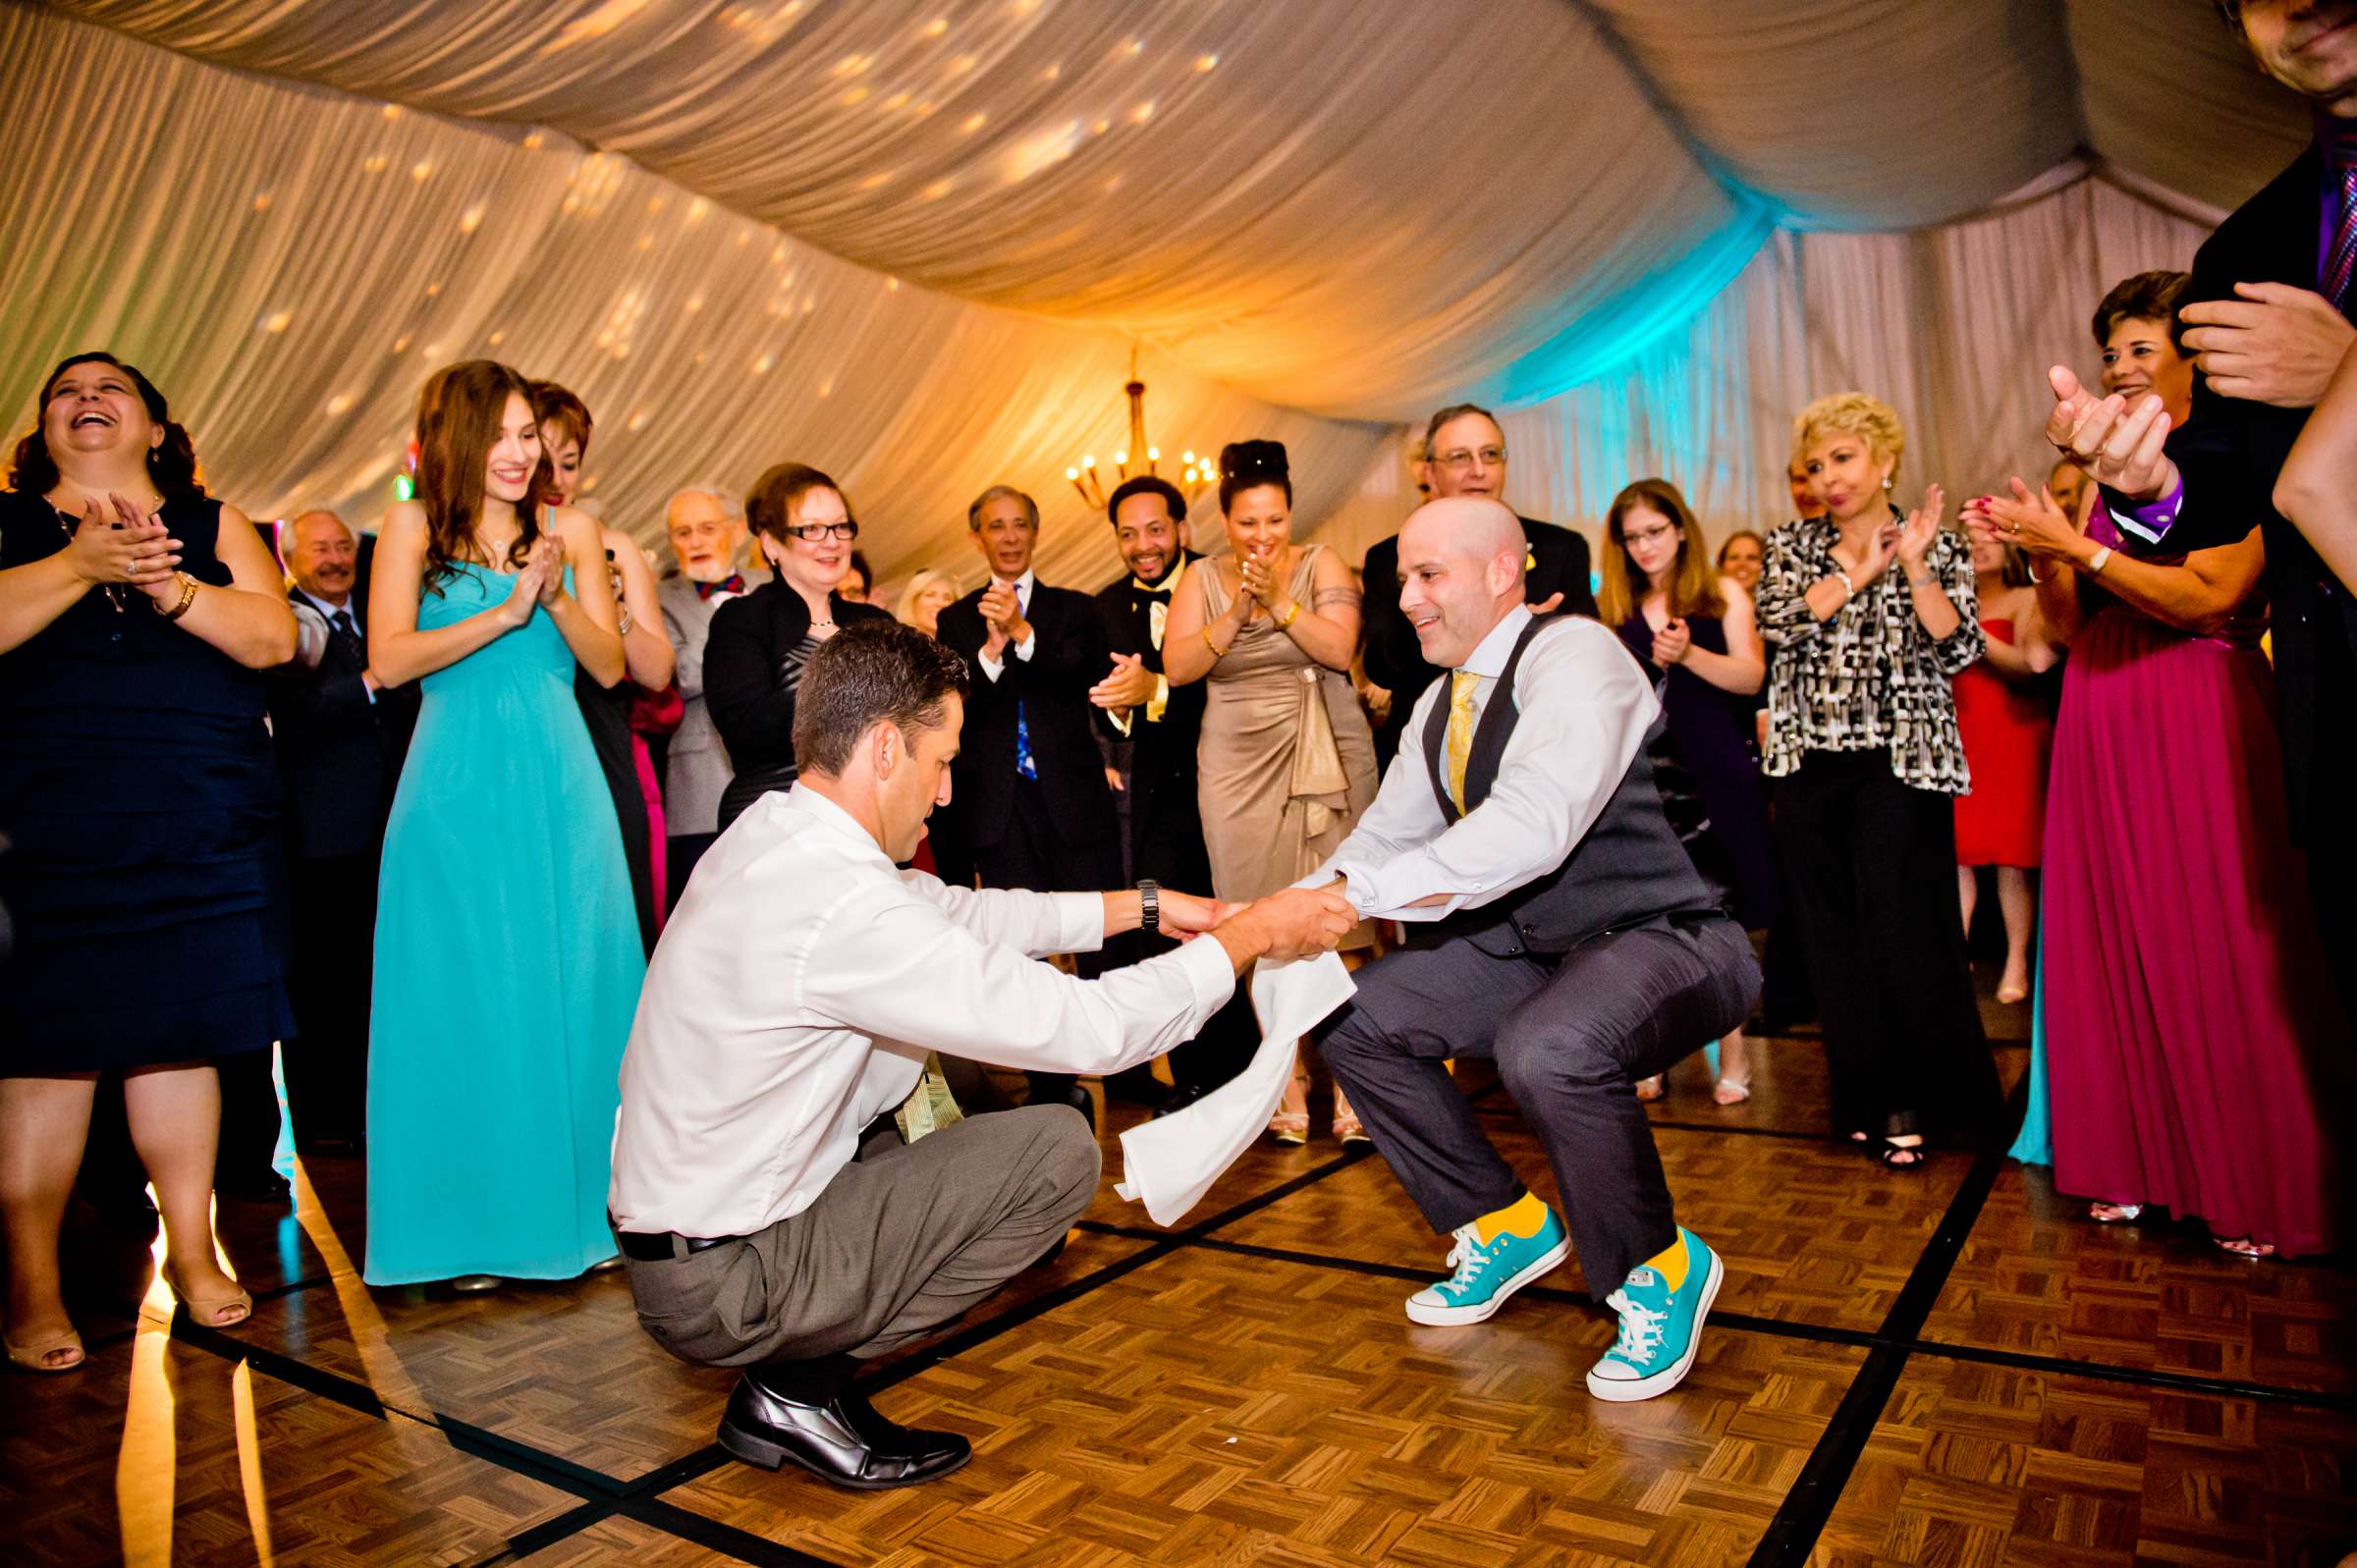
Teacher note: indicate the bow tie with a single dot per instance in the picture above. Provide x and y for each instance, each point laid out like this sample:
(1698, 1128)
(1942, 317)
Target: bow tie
(733, 583)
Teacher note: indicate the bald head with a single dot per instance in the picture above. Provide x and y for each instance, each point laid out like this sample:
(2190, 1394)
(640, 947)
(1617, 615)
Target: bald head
(322, 556)
(1460, 573)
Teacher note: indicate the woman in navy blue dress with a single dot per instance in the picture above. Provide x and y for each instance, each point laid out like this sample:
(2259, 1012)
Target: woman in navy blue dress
(1693, 627)
(137, 793)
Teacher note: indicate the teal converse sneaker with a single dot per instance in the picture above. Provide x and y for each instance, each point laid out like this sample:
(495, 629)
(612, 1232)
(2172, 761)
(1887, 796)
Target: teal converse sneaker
(1486, 1276)
(1658, 1327)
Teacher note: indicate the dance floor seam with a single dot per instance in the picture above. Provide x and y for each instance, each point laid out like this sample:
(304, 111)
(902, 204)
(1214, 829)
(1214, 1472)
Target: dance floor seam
(1872, 1389)
(604, 1496)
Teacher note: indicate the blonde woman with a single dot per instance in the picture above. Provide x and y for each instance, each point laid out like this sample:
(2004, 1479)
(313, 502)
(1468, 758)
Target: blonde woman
(927, 595)
(1872, 612)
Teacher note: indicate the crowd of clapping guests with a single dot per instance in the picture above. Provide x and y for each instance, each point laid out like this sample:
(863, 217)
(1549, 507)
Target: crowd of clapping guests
(417, 802)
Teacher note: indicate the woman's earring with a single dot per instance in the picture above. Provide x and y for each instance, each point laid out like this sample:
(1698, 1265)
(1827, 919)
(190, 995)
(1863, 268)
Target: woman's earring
(1886, 484)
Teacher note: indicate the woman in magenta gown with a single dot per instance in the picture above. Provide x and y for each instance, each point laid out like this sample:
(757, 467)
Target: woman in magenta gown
(2187, 1006)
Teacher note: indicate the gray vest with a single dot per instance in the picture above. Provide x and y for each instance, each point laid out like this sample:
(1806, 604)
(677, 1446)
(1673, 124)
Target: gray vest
(1628, 870)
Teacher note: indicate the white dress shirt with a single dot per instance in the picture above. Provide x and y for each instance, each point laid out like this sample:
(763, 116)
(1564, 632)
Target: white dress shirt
(803, 980)
(1585, 706)
(993, 667)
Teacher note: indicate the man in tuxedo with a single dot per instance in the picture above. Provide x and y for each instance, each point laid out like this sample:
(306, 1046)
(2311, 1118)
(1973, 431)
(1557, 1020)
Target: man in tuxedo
(340, 735)
(1029, 800)
(1463, 454)
(707, 537)
(1159, 727)
(2268, 319)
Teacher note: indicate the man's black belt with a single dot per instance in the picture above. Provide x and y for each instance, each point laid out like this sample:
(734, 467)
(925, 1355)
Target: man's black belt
(662, 1246)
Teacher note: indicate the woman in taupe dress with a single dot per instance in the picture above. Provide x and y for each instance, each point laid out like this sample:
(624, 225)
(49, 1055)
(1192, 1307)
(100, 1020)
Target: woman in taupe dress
(1286, 761)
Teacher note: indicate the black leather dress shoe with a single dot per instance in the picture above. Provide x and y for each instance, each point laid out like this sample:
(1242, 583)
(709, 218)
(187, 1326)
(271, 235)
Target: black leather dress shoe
(1180, 1098)
(1079, 1097)
(843, 1441)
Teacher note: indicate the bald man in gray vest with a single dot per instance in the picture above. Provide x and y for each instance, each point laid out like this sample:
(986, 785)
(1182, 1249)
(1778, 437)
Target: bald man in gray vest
(1569, 940)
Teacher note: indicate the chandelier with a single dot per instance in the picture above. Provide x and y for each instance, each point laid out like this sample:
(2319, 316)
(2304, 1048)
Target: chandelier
(1088, 479)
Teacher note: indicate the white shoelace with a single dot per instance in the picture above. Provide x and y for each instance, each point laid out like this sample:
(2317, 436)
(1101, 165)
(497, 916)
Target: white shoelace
(1640, 1329)
(1467, 1259)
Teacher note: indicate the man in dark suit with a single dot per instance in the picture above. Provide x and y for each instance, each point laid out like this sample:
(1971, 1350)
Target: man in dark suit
(1028, 794)
(340, 734)
(1159, 727)
(1463, 454)
(2269, 318)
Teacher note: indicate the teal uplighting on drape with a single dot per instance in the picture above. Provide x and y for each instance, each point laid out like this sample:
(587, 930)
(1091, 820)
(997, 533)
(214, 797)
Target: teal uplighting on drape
(1606, 338)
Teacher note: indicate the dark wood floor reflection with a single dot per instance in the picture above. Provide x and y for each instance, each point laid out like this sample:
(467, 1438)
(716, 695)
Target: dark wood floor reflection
(1949, 1366)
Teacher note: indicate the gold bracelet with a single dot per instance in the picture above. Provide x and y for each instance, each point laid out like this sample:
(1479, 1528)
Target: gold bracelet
(187, 597)
(1292, 613)
(1217, 652)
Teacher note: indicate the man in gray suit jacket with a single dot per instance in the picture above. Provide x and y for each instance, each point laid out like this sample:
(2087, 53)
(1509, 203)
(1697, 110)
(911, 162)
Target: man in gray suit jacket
(707, 534)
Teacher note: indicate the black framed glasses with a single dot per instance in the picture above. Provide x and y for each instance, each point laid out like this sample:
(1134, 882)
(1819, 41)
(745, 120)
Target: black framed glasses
(813, 532)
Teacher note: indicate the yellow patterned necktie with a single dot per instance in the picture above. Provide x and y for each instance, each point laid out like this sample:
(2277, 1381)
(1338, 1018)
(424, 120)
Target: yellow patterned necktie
(1460, 732)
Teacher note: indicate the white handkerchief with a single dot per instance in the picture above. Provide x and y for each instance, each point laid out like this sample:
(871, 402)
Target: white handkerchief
(1170, 1163)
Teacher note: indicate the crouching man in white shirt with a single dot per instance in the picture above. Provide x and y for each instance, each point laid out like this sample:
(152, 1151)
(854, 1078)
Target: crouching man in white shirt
(771, 1216)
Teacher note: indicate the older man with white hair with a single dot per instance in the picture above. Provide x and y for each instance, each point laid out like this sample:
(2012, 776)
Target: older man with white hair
(706, 524)
(1572, 942)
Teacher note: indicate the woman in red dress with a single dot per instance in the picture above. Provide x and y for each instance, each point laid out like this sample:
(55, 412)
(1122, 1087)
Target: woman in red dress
(2008, 735)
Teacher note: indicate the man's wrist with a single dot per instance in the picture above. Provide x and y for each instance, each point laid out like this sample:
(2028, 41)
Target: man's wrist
(1122, 911)
(1244, 936)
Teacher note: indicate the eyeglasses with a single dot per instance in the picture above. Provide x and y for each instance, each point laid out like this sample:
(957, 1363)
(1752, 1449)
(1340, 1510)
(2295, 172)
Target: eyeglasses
(1460, 459)
(811, 533)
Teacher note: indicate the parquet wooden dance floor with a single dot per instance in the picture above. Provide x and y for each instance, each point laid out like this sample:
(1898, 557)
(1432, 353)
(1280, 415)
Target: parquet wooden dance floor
(1951, 1367)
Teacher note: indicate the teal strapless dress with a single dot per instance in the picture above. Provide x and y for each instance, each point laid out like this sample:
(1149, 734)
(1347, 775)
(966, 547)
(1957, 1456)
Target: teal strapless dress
(508, 968)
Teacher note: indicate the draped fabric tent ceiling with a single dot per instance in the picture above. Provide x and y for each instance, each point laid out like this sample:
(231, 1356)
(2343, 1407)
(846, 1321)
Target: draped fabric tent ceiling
(1323, 210)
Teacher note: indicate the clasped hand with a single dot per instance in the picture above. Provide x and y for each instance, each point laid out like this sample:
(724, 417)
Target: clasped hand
(127, 547)
(1003, 613)
(1258, 575)
(1130, 685)
(541, 582)
(2119, 447)
(2035, 522)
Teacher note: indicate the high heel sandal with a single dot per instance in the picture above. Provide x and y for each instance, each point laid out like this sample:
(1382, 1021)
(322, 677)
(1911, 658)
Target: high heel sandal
(1900, 1156)
(2115, 1213)
(1732, 1091)
(2245, 1248)
(1349, 1130)
(1650, 1089)
(206, 1309)
(34, 1357)
(1290, 1127)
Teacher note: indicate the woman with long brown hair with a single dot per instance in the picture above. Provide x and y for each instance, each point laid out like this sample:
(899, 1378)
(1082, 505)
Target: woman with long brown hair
(137, 616)
(1694, 632)
(505, 902)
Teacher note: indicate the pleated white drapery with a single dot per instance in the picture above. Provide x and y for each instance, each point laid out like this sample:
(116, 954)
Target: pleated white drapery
(291, 264)
(917, 245)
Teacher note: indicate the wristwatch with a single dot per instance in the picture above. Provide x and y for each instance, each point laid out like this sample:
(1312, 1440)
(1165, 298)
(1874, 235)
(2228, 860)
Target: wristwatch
(1149, 905)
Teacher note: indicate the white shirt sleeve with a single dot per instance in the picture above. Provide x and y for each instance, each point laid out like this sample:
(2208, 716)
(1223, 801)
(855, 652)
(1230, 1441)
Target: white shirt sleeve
(1585, 707)
(895, 965)
(1036, 923)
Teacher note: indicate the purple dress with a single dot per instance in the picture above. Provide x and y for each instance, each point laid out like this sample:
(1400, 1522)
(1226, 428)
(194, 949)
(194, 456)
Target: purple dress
(1715, 737)
(2187, 1007)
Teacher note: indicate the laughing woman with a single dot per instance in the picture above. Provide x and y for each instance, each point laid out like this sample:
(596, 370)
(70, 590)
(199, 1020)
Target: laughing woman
(137, 616)
(492, 1080)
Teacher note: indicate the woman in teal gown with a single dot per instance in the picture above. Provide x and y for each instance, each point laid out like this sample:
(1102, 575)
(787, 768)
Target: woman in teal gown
(507, 950)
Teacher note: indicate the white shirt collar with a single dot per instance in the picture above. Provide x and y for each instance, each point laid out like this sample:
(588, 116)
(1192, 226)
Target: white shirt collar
(1023, 586)
(322, 605)
(1489, 656)
(808, 802)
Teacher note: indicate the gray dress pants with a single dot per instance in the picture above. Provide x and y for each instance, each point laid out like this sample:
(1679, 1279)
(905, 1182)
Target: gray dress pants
(904, 1239)
(1570, 1036)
